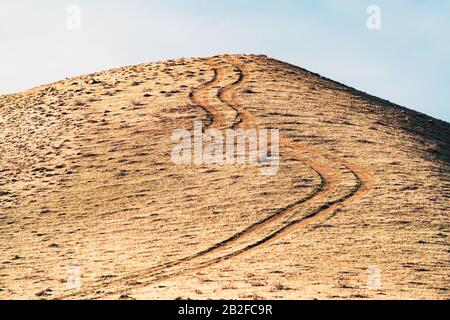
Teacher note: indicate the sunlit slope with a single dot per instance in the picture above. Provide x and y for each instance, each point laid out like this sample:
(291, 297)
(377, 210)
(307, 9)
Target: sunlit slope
(92, 205)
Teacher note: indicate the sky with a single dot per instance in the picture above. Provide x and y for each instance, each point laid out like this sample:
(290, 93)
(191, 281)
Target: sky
(406, 60)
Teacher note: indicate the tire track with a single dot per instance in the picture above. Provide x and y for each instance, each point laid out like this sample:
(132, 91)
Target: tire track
(280, 223)
(363, 180)
(329, 182)
(199, 102)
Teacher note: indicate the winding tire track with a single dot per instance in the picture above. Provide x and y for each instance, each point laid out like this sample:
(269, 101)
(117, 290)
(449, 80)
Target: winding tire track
(263, 232)
(215, 118)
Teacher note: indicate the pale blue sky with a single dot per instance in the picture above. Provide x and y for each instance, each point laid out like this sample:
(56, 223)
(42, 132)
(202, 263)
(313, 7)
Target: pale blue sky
(407, 61)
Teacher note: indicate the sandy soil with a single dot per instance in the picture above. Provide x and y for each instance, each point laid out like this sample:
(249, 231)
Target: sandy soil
(92, 206)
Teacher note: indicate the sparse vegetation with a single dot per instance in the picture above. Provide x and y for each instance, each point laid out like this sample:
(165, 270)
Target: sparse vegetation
(94, 189)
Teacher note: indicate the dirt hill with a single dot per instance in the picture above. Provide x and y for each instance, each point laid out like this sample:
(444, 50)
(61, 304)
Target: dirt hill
(92, 205)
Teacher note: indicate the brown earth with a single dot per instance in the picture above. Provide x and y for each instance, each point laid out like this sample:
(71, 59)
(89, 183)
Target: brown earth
(87, 184)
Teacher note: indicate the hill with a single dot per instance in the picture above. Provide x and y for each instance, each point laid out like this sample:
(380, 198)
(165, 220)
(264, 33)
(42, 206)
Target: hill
(93, 205)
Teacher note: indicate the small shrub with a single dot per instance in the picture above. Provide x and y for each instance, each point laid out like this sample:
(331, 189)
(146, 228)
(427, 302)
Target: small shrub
(136, 103)
(280, 287)
(78, 103)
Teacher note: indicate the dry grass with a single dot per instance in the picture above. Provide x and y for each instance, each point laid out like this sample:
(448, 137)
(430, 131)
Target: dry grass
(94, 189)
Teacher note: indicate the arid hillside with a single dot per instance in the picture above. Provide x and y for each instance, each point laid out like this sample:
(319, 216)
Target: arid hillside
(92, 205)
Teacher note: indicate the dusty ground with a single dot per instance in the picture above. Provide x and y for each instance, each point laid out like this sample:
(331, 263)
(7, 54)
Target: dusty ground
(87, 186)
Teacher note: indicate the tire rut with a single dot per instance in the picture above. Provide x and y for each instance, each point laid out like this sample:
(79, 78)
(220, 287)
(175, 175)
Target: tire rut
(261, 233)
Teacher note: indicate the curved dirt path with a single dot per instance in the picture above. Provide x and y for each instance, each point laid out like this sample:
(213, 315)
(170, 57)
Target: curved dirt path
(364, 180)
(278, 224)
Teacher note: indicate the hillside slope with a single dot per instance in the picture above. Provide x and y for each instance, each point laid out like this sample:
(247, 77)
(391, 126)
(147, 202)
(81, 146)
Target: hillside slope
(92, 205)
